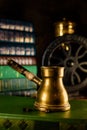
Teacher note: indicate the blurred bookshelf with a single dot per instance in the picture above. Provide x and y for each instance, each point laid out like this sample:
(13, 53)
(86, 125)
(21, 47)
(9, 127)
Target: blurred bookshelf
(17, 42)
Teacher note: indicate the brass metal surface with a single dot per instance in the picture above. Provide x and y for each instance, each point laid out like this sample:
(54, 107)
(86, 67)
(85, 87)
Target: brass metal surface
(51, 95)
(64, 27)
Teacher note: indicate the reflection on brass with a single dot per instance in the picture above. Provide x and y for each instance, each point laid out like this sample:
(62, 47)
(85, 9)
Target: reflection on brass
(51, 95)
(64, 27)
(65, 47)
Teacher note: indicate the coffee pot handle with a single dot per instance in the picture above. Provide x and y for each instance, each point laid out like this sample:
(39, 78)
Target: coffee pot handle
(29, 75)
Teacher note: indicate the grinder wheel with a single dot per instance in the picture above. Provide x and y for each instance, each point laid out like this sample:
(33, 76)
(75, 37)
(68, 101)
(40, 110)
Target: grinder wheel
(69, 51)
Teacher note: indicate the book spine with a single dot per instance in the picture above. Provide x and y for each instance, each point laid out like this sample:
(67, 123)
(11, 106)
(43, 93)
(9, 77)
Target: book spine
(23, 60)
(28, 93)
(16, 84)
(16, 50)
(16, 25)
(7, 72)
(16, 36)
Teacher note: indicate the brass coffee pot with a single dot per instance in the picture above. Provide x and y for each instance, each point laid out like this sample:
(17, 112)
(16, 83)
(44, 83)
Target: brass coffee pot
(52, 95)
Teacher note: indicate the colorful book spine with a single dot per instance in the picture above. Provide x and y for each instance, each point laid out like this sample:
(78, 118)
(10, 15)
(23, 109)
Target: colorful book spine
(23, 60)
(14, 39)
(16, 25)
(29, 93)
(16, 36)
(13, 83)
(7, 72)
(17, 49)
(16, 84)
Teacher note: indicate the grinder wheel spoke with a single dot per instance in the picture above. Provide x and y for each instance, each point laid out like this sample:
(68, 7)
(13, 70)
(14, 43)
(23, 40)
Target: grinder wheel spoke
(69, 51)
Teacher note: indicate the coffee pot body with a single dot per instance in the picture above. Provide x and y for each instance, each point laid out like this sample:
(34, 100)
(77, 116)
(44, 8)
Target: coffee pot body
(51, 95)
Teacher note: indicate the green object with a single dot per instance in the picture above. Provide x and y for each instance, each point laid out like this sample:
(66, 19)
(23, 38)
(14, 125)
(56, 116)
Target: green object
(16, 84)
(14, 109)
(8, 72)
(11, 80)
(12, 114)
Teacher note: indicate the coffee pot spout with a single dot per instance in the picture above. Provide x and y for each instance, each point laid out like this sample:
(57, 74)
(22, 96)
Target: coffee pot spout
(24, 72)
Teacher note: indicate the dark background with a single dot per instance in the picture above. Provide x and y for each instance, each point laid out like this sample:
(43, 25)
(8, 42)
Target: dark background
(43, 14)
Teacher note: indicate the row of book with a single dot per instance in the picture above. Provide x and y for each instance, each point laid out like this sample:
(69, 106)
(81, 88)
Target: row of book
(7, 72)
(16, 25)
(22, 60)
(18, 50)
(14, 83)
(13, 35)
(28, 93)
(16, 36)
